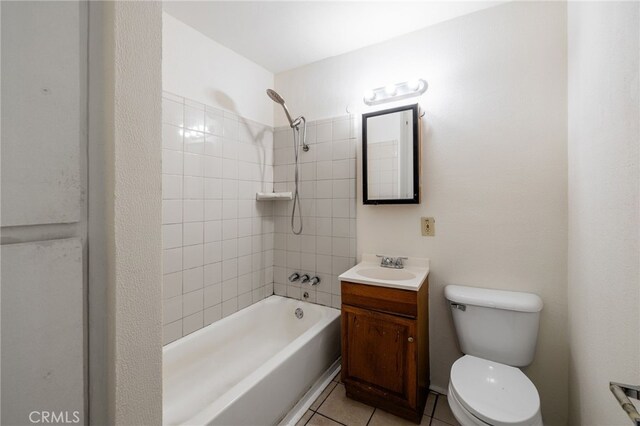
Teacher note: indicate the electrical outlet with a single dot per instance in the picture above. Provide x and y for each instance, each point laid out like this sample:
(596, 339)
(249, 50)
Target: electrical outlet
(428, 226)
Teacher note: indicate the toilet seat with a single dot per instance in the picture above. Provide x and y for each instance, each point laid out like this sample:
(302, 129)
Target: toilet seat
(494, 393)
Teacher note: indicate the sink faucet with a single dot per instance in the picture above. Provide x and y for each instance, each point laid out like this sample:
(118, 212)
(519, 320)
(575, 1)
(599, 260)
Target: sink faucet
(391, 262)
(399, 262)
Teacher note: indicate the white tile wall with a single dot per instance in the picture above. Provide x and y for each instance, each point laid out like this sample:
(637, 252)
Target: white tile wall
(327, 245)
(217, 240)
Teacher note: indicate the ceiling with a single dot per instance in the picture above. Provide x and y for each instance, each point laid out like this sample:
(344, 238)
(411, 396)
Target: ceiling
(281, 35)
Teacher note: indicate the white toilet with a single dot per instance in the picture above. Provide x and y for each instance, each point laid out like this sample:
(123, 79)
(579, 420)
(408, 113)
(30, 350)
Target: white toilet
(497, 330)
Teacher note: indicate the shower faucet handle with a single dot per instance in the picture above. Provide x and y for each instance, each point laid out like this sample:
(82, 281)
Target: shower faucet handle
(314, 281)
(305, 278)
(294, 277)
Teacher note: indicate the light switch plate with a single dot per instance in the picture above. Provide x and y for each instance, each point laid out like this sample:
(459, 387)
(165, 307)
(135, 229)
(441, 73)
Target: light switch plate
(428, 226)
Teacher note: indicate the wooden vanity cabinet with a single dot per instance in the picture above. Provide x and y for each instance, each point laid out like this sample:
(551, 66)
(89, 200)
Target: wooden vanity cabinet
(385, 347)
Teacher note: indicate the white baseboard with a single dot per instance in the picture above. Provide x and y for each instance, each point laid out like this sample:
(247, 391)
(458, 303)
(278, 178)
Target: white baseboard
(312, 394)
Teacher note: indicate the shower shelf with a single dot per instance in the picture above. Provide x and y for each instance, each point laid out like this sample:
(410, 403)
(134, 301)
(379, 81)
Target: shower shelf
(274, 196)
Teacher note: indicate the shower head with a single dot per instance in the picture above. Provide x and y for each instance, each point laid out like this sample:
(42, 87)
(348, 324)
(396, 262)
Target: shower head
(275, 97)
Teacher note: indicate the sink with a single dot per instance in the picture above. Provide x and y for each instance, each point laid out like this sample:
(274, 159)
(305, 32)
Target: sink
(369, 272)
(386, 274)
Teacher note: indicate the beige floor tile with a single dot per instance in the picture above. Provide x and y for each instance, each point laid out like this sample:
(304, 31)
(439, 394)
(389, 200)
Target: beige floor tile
(325, 393)
(443, 411)
(382, 418)
(318, 420)
(436, 422)
(305, 418)
(345, 410)
(430, 405)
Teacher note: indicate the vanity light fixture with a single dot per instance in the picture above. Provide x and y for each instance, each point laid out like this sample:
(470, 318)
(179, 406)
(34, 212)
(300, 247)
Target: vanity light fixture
(393, 92)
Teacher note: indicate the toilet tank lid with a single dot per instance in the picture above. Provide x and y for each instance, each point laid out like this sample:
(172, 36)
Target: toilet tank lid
(490, 298)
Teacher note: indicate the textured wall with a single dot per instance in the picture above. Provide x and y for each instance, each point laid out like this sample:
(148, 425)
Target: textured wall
(493, 162)
(134, 218)
(604, 173)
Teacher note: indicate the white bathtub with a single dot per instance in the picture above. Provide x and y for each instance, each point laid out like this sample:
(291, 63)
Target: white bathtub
(251, 367)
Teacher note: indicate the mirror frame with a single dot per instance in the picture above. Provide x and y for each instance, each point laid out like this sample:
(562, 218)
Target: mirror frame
(416, 157)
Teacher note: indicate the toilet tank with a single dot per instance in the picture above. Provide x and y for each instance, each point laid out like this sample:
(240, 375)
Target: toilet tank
(497, 325)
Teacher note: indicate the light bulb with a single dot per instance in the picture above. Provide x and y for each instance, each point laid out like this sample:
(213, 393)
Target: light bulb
(369, 95)
(390, 89)
(414, 85)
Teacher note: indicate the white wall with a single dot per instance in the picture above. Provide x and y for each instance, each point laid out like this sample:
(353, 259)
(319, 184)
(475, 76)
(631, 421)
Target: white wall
(494, 165)
(326, 247)
(198, 68)
(217, 239)
(218, 152)
(132, 199)
(604, 172)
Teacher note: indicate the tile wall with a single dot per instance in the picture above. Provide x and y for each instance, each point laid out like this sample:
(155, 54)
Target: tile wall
(327, 245)
(217, 240)
(382, 158)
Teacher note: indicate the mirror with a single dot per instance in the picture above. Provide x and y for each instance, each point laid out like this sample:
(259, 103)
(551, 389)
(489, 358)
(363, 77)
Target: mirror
(391, 156)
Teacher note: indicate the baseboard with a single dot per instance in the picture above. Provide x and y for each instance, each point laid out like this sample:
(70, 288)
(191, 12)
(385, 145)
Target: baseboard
(312, 394)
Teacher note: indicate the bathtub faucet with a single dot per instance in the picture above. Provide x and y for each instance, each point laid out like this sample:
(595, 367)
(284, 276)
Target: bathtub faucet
(294, 277)
(305, 278)
(314, 281)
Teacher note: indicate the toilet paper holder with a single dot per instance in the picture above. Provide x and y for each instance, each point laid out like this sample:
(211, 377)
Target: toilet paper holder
(622, 393)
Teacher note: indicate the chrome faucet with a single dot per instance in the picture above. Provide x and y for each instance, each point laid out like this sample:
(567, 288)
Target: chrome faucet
(399, 264)
(294, 277)
(391, 262)
(305, 278)
(314, 281)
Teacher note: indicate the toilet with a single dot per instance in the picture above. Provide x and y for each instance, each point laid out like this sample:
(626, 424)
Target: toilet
(497, 331)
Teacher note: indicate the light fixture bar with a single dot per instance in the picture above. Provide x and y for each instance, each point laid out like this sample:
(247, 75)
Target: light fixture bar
(394, 92)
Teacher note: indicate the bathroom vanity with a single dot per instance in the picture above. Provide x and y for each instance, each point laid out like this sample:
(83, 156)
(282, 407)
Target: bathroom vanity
(385, 335)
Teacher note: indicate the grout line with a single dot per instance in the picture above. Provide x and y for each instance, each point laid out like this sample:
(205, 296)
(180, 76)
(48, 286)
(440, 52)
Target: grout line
(370, 417)
(327, 417)
(325, 398)
(433, 410)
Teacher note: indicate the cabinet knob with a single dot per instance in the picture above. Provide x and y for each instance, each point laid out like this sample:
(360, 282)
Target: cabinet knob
(410, 339)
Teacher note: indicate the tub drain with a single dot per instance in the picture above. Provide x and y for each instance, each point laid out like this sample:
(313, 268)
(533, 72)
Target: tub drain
(299, 313)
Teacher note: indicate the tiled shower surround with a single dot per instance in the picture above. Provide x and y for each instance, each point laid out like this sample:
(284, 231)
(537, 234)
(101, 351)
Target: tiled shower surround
(222, 249)
(327, 245)
(217, 240)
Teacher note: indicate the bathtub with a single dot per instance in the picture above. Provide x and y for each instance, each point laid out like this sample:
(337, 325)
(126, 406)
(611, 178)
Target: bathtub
(249, 368)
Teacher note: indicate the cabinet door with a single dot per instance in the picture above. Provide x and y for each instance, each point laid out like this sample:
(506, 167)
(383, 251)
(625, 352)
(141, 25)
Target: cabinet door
(379, 352)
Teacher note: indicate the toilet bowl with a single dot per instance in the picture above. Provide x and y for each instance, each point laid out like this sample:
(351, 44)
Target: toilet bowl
(497, 330)
(483, 392)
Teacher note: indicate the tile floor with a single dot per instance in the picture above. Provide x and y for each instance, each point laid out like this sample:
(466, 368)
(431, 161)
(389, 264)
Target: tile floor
(333, 408)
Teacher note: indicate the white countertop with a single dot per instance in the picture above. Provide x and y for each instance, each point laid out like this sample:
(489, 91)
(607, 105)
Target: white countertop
(370, 272)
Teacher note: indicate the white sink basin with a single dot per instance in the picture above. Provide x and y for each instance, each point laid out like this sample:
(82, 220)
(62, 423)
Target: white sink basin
(380, 273)
(369, 272)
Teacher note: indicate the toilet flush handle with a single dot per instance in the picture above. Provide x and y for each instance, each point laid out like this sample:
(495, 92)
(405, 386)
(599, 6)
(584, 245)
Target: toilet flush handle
(459, 306)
